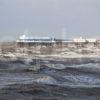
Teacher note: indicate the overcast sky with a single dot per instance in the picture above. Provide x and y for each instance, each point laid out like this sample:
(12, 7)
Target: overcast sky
(50, 18)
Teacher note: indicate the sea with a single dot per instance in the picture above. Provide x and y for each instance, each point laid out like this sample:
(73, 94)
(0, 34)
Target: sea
(53, 80)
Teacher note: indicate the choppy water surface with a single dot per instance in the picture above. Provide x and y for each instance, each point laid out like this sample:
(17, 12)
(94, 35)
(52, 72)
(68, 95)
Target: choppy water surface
(54, 81)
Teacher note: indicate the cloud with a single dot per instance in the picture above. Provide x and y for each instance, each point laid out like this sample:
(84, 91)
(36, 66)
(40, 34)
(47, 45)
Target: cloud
(1, 3)
(50, 16)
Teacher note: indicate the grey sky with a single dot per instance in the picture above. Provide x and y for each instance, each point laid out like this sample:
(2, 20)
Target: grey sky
(46, 17)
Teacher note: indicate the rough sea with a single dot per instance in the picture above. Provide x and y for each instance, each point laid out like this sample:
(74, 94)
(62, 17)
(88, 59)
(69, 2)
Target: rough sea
(56, 79)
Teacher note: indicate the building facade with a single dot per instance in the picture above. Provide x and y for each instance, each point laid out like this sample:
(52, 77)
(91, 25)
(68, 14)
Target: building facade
(26, 39)
(82, 40)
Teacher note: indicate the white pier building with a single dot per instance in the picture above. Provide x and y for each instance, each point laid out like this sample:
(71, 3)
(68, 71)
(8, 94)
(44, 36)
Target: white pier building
(26, 39)
(82, 40)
